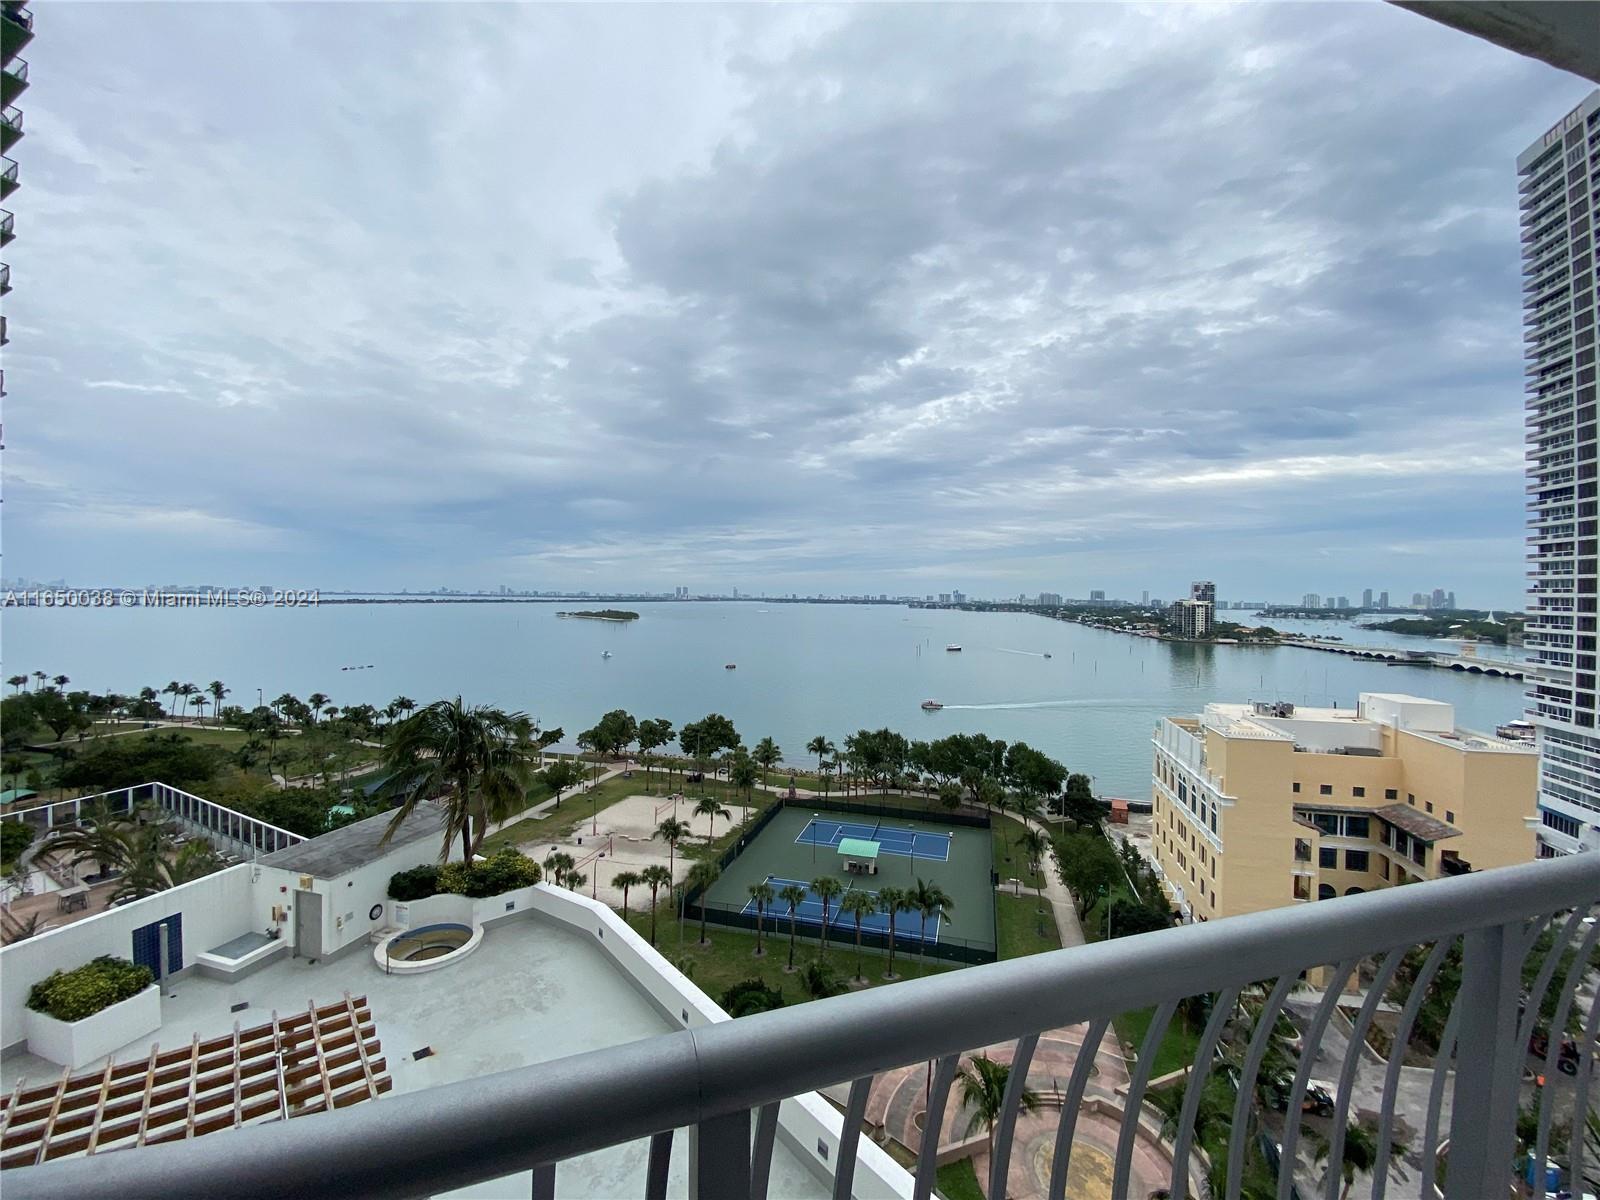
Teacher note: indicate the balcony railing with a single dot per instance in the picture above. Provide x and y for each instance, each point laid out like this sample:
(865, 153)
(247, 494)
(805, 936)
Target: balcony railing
(13, 80)
(724, 1082)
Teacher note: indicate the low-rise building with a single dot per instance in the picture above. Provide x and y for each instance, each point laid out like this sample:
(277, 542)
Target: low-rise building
(1265, 804)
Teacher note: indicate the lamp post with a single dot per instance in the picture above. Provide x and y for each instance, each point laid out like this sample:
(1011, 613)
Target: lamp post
(813, 839)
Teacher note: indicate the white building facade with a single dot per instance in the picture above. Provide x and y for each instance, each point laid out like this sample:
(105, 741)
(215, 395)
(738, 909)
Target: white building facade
(1559, 186)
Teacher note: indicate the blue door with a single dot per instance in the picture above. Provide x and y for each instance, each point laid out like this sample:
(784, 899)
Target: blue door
(147, 944)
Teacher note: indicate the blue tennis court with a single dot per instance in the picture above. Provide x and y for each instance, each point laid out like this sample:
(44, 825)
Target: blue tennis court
(908, 926)
(908, 843)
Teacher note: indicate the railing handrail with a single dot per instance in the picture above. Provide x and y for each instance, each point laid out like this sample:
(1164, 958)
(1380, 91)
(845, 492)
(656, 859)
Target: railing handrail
(153, 785)
(421, 1143)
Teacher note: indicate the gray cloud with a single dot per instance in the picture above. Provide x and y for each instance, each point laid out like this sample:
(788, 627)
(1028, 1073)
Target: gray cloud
(1010, 297)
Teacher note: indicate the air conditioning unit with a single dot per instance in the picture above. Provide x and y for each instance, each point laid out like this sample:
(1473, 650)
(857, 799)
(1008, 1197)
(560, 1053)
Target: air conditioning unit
(305, 883)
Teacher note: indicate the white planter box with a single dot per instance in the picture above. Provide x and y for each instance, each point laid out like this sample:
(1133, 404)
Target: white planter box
(75, 1044)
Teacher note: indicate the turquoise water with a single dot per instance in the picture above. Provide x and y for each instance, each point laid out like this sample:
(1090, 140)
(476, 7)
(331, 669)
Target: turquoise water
(802, 669)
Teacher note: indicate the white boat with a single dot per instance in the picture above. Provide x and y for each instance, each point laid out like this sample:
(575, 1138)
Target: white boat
(932, 705)
(605, 654)
(730, 666)
(1047, 655)
(953, 647)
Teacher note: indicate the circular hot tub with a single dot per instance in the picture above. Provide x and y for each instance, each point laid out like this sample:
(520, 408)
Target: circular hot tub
(427, 948)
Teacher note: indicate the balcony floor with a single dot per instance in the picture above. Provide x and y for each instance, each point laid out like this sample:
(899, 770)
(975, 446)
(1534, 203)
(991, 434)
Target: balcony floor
(532, 992)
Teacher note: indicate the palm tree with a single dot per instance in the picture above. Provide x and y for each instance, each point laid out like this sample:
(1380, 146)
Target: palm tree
(172, 689)
(1360, 1153)
(100, 837)
(188, 691)
(827, 769)
(794, 896)
(196, 859)
(316, 700)
(1034, 845)
(701, 876)
(768, 755)
(61, 682)
(743, 776)
(218, 694)
(655, 877)
(858, 905)
(821, 747)
(763, 895)
(983, 1090)
(710, 806)
(18, 681)
(891, 900)
(930, 900)
(825, 888)
(558, 865)
(479, 758)
(626, 880)
(404, 705)
(672, 831)
(199, 703)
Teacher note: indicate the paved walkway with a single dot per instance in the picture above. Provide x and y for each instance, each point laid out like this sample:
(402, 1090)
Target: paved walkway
(544, 806)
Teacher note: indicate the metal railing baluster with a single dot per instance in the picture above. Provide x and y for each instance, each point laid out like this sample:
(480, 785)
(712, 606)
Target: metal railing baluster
(1135, 1102)
(1552, 1056)
(1580, 1096)
(1082, 1068)
(655, 1177)
(1483, 1110)
(944, 1074)
(1005, 1128)
(1259, 1040)
(1302, 1077)
(761, 1152)
(1352, 1058)
(1199, 1073)
(544, 1182)
(844, 1171)
(1441, 1068)
(719, 1158)
(1397, 1054)
(1541, 981)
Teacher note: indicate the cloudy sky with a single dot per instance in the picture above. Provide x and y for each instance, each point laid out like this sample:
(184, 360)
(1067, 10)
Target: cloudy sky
(887, 298)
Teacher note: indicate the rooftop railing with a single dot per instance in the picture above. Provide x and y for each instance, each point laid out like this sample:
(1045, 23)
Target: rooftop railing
(724, 1082)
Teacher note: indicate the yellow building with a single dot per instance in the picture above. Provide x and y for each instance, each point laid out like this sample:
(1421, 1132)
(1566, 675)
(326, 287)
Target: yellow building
(1265, 804)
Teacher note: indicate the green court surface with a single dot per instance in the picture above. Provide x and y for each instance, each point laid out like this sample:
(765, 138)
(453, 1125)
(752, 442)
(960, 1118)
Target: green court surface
(800, 844)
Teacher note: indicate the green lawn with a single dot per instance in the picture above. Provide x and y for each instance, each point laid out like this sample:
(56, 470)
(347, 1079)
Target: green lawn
(959, 1181)
(1177, 1046)
(1009, 857)
(1023, 929)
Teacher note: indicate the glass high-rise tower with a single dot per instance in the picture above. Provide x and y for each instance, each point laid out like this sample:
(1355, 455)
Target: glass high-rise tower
(1559, 187)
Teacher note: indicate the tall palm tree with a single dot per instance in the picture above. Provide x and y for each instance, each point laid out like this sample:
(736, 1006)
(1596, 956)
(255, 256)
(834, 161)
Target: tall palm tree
(172, 689)
(655, 877)
(316, 700)
(763, 895)
(188, 691)
(983, 1090)
(827, 769)
(61, 682)
(891, 900)
(859, 905)
(710, 806)
(558, 866)
(794, 896)
(701, 876)
(18, 681)
(199, 702)
(1034, 845)
(218, 694)
(479, 758)
(1360, 1153)
(768, 755)
(626, 880)
(821, 747)
(672, 831)
(404, 705)
(38, 679)
(826, 888)
(930, 900)
(743, 776)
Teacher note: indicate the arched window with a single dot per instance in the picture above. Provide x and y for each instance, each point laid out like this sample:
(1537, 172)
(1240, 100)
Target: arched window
(1326, 891)
(1354, 891)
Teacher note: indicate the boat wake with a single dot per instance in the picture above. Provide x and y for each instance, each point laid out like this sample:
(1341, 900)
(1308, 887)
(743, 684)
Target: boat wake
(1104, 702)
(1027, 653)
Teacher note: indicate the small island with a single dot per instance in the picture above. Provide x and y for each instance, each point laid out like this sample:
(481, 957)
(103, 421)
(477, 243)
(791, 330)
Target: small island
(603, 614)
(1463, 626)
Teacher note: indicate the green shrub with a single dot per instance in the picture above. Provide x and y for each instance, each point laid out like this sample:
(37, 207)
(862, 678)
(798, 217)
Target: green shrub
(14, 839)
(750, 996)
(504, 871)
(74, 995)
(416, 884)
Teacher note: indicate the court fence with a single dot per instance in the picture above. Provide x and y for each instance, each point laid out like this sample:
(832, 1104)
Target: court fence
(896, 806)
(842, 931)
